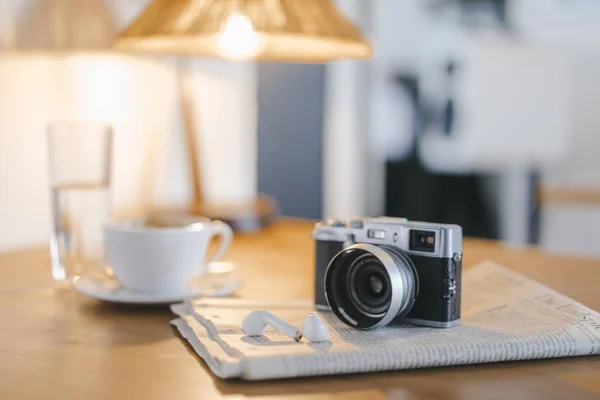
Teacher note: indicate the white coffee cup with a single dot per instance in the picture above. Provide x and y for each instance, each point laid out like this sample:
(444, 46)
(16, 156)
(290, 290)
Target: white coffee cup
(150, 258)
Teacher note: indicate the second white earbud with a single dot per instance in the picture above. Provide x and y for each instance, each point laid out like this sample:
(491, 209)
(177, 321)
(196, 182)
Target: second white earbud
(257, 322)
(314, 329)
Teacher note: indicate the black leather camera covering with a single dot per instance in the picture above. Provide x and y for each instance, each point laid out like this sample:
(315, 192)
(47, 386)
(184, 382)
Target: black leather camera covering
(435, 300)
(325, 250)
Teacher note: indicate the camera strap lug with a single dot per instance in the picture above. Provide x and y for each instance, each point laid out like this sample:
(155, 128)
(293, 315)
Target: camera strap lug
(349, 240)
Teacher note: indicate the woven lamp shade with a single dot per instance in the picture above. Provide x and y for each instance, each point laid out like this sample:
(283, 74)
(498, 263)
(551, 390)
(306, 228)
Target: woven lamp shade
(265, 30)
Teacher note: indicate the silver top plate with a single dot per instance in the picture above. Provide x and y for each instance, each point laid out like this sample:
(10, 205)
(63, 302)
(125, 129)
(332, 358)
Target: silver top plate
(392, 232)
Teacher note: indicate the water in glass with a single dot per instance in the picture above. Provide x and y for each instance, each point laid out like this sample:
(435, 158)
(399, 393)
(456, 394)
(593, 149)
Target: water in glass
(79, 211)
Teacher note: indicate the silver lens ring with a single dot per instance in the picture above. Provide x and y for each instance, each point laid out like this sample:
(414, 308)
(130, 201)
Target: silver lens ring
(410, 280)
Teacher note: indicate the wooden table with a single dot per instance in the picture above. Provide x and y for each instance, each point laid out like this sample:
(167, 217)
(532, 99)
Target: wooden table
(62, 345)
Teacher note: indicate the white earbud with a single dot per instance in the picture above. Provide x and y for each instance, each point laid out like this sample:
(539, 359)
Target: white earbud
(314, 329)
(256, 323)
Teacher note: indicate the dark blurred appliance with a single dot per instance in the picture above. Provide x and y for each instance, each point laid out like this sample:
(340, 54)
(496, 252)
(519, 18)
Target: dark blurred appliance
(415, 192)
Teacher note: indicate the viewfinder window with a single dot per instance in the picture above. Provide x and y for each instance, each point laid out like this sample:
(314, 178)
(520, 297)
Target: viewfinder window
(422, 241)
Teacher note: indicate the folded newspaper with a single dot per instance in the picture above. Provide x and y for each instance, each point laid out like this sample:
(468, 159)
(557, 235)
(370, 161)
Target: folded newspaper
(505, 316)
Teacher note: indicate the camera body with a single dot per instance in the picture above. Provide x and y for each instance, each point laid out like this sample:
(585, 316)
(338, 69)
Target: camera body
(370, 271)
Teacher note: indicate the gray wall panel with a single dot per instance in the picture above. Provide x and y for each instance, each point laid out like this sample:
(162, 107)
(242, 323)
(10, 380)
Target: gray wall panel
(290, 131)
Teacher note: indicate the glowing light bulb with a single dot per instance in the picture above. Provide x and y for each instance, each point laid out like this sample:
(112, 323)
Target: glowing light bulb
(238, 40)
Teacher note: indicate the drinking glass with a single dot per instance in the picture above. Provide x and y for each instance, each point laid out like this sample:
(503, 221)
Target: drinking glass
(80, 168)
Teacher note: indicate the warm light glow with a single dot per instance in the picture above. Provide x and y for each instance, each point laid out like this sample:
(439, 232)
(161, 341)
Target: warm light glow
(263, 30)
(238, 40)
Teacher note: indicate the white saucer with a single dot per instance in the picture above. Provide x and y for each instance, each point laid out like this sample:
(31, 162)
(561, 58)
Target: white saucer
(108, 289)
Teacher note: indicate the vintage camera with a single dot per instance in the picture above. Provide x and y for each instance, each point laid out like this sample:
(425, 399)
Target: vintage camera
(371, 271)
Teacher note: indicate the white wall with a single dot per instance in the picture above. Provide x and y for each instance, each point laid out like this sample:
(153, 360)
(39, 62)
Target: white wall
(138, 96)
(574, 26)
(574, 228)
(345, 147)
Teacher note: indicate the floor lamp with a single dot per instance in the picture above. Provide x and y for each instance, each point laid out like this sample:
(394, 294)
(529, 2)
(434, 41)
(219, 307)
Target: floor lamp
(302, 31)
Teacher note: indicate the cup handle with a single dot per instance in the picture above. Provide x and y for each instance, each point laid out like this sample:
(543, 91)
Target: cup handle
(221, 229)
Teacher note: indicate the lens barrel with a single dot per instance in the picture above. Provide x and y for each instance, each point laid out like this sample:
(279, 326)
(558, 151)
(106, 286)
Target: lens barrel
(367, 286)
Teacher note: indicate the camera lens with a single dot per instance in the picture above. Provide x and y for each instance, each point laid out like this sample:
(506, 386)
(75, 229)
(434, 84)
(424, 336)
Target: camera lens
(375, 288)
(368, 286)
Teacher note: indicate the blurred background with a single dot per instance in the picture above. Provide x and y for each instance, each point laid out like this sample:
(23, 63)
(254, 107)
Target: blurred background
(476, 112)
